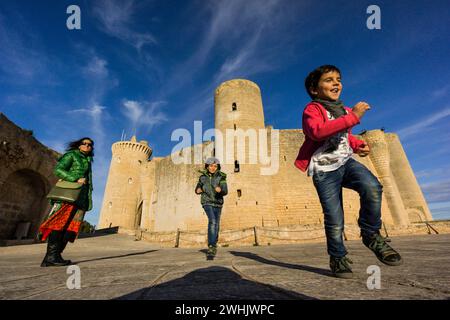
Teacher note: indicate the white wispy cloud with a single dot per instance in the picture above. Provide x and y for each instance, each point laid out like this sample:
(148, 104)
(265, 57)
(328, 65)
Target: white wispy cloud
(433, 172)
(441, 92)
(94, 112)
(239, 39)
(437, 191)
(144, 113)
(97, 67)
(116, 20)
(424, 124)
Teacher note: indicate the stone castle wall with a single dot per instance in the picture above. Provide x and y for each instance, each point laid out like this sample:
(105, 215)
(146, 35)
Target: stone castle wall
(26, 177)
(166, 200)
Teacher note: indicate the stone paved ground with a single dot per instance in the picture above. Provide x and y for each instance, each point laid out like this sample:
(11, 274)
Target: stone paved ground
(117, 267)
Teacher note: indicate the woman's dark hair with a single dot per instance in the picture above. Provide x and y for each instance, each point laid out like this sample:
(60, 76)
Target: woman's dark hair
(74, 145)
(312, 80)
(218, 166)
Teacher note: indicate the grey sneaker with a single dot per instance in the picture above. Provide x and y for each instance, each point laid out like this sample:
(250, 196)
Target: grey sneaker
(382, 250)
(211, 251)
(341, 267)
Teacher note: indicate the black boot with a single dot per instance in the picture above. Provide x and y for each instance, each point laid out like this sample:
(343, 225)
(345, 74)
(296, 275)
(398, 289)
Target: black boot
(62, 245)
(382, 250)
(52, 257)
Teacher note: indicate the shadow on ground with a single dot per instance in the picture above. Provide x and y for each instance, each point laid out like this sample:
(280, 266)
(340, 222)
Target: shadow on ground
(249, 255)
(115, 257)
(213, 283)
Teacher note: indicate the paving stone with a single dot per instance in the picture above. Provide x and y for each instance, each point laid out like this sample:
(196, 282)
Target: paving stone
(117, 267)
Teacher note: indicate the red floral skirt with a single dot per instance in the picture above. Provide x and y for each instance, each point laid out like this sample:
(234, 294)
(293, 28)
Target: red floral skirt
(62, 217)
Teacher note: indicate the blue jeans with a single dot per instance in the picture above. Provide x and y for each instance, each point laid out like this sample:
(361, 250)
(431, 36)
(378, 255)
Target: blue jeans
(213, 214)
(355, 176)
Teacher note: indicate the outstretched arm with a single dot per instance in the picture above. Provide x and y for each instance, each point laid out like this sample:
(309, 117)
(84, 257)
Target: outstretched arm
(318, 129)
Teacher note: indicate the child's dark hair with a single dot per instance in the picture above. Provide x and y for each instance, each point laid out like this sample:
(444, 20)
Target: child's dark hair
(74, 145)
(312, 80)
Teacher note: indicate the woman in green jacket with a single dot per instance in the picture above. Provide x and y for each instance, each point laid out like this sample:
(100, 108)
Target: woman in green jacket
(64, 219)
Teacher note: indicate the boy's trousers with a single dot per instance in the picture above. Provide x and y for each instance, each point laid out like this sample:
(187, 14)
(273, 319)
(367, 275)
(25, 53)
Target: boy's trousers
(355, 176)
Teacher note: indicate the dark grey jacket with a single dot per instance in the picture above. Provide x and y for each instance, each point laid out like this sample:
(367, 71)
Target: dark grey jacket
(208, 184)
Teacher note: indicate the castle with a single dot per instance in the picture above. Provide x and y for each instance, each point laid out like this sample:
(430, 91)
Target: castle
(26, 176)
(158, 195)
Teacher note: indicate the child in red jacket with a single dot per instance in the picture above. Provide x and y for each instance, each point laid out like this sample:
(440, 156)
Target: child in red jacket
(327, 156)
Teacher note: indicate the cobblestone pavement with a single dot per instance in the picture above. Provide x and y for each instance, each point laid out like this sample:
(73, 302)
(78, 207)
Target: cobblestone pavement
(117, 267)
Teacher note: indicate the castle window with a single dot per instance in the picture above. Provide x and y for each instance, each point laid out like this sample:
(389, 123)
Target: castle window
(110, 204)
(234, 106)
(236, 166)
(130, 180)
(118, 159)
(235, 126)
(239, 193)
(256, 202)
(284, 158)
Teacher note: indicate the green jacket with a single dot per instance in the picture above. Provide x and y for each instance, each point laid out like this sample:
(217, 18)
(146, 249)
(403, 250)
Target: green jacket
(208, 182)
(72, 166)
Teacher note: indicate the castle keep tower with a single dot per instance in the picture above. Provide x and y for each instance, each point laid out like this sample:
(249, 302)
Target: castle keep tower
(239, 110)
(122, 202)
(379, 154)
(409, 188)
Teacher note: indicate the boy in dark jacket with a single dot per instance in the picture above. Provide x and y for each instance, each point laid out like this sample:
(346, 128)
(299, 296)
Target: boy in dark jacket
(212, 186)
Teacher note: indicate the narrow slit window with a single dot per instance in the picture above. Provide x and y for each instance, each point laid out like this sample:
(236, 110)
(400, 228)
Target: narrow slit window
(234, 106)
(234, 126)
(239, 193)
(236, 166)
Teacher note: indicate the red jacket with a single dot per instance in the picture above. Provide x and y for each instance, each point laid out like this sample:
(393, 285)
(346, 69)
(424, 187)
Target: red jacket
(317, 128)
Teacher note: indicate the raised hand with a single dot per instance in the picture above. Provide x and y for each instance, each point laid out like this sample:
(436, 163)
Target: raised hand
(360, 108)
(363, 150)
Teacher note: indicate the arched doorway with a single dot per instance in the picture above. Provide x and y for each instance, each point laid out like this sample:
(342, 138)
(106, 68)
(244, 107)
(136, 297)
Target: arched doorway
(22, 199)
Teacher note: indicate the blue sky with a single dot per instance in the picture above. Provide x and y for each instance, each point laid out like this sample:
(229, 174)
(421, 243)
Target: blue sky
(151, 67)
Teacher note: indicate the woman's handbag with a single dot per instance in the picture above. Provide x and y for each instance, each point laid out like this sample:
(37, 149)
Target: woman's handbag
(65, 191)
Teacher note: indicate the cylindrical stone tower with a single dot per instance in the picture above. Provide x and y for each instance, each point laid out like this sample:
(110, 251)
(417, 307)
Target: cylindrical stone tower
(239, 117)
(409, 188)
(379, 154)
(122, 196)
